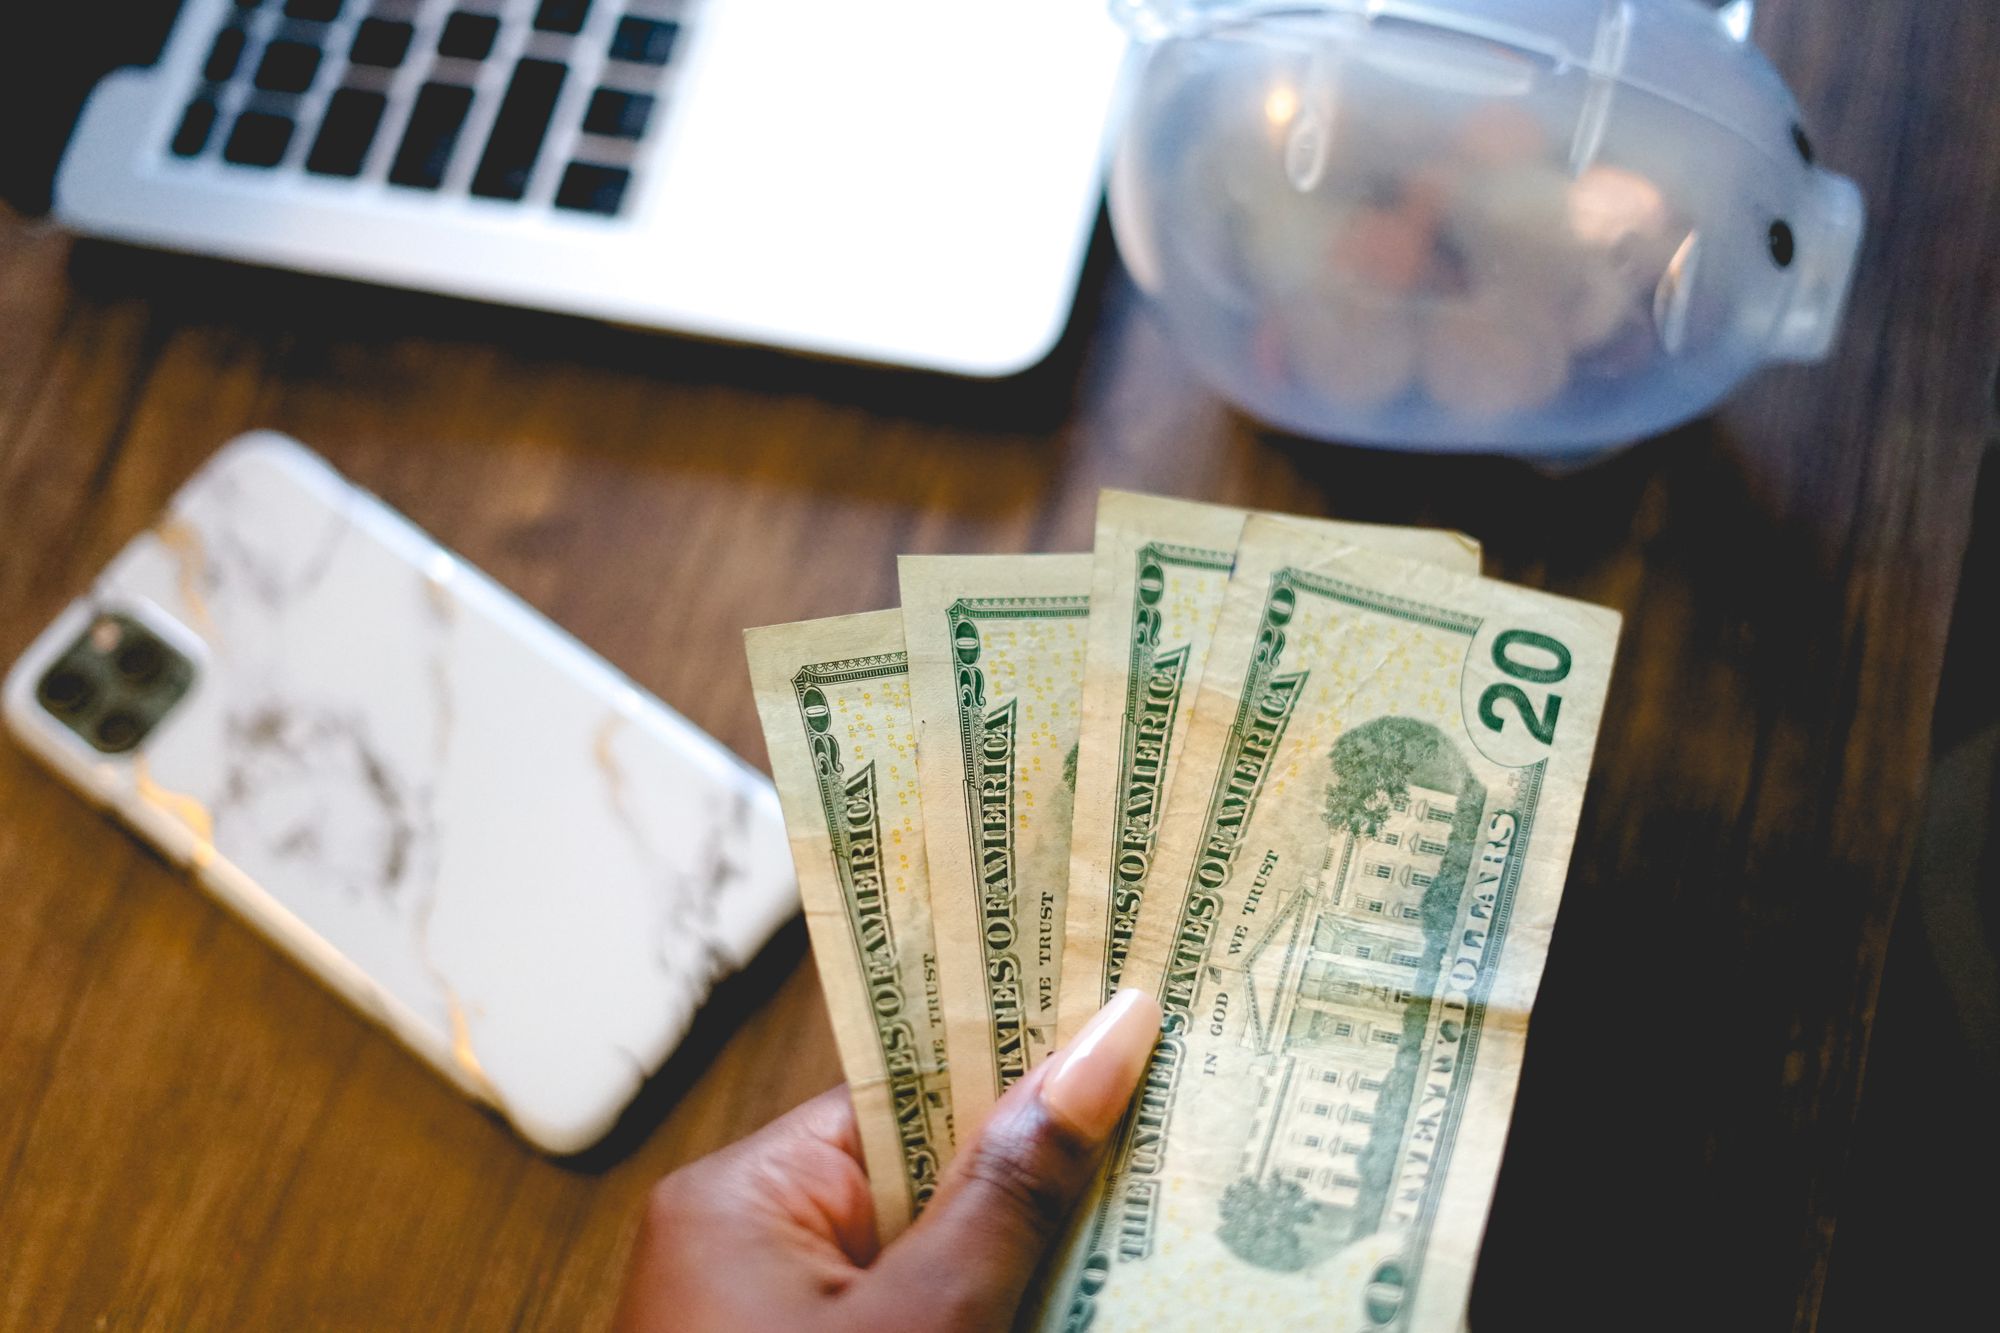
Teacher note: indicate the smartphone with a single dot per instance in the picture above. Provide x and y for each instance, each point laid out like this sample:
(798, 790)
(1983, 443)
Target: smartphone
(450, 811)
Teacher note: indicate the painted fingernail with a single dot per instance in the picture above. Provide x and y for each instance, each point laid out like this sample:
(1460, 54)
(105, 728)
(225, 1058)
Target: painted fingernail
(1094, 1075)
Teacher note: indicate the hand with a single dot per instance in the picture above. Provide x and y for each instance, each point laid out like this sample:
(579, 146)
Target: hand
(778, 1231)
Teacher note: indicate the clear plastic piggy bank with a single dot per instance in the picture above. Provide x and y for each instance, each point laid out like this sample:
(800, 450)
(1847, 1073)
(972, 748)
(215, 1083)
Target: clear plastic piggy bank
(1532, 226)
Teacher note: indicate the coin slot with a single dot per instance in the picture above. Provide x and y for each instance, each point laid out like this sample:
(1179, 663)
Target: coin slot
(1462, 63)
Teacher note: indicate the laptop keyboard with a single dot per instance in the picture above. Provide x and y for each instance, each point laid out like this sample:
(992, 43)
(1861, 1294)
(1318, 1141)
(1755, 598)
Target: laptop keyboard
(531, 102)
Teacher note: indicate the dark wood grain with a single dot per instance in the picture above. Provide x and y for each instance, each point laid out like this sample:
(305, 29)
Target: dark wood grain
(194, 1135)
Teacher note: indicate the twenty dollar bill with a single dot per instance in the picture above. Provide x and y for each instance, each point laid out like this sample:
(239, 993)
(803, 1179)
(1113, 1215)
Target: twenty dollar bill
(834, 698)
(996, 678)
(1159, 571)
(1346, 923)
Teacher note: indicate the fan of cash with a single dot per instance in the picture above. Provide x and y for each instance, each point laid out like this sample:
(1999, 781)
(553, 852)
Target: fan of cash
(1312, 784)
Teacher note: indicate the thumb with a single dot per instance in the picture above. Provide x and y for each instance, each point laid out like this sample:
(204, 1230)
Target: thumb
(1009, 1191)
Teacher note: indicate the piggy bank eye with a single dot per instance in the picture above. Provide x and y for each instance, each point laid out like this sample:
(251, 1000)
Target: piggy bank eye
(1803, 144)
(1780, 239)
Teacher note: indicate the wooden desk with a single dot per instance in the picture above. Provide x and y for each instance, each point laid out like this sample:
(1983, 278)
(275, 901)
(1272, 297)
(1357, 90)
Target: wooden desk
(194, 1135)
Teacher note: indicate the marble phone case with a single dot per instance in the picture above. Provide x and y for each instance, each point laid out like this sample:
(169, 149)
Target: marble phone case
(445, 807)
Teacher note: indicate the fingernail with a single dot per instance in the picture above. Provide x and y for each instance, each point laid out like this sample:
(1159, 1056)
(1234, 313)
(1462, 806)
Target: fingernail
(1094, 1075)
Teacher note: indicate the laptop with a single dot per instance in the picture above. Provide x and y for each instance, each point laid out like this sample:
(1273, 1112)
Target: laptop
(910, 182)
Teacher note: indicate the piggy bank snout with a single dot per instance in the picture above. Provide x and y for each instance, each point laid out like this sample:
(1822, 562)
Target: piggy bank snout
(1819, 243)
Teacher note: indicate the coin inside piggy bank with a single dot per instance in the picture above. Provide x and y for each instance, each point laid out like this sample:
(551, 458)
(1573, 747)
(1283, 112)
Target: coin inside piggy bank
(1532, 226)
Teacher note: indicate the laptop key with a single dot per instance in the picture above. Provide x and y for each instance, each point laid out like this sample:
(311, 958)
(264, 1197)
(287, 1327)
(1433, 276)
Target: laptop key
(588, 187)
(224, 55)
(287, 67)
(618, 114)
(468, 36)
(348, 128)
(258, 139)
(313, 11)
(197, 122)
(381, 43)
(518, 130)
(562, 16)
(644, 41)
(431, 135)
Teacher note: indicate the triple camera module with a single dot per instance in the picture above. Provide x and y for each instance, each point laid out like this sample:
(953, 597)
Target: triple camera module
(115, 683)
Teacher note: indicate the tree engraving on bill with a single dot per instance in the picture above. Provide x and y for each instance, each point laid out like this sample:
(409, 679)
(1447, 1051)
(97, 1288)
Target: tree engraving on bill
(996, 647)
(1160, 571)
(1380, 788)
(843, 748)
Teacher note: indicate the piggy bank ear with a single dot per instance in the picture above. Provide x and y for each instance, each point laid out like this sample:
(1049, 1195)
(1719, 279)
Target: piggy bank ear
(1735, 18)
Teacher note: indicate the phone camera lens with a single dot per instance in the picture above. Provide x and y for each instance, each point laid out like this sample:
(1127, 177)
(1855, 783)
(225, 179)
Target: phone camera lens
(119, 731)
(140, 660)
(66, 692)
